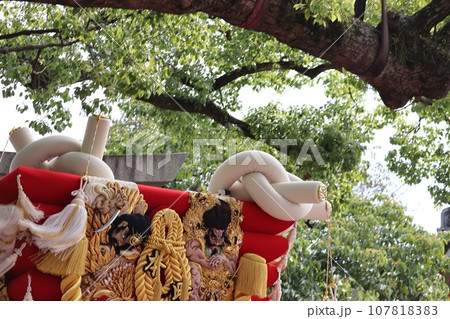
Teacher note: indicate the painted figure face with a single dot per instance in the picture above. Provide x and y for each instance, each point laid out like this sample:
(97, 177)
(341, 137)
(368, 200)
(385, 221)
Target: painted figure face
(216, 237)
(119, 236)
(128, 231)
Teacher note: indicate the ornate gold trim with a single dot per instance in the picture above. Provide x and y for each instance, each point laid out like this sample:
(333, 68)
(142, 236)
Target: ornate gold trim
(322, 193)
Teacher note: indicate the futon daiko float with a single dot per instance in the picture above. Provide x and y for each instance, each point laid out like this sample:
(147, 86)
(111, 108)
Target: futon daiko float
(70, 231)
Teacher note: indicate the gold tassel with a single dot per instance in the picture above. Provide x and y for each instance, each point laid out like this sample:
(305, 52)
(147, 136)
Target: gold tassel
(185, 289)
(73, 262)
(157, 291)
(251, 277)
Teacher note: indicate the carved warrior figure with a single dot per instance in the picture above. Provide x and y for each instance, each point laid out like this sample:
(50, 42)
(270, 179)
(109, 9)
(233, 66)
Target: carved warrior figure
(113, 251)
(212, 236)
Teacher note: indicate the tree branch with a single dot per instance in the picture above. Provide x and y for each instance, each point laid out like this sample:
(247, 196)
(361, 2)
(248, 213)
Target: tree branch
(430, 15)
(403, 78)
(27, 32)
(269, 66)
(34, 63)
(32, 47)
(185, 79)
(442, 34)
(209, 109)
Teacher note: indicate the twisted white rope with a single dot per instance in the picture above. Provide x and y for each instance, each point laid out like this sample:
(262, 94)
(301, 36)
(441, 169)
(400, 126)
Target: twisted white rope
(260, 177)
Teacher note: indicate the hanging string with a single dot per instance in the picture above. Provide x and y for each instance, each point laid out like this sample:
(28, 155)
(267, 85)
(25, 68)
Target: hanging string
(81, 190)
(28, 295)
(4, 151)
(330, 287)
(86, 171)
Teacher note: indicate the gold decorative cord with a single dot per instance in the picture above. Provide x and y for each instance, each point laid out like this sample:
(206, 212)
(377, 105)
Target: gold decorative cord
(163, 259)
(322, 193)
(70, 288)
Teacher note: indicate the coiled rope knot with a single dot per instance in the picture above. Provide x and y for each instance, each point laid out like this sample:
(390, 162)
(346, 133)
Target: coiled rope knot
(165, 246)
(259, 177)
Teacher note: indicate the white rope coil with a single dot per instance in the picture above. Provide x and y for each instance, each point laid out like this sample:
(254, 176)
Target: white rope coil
(65, 154)
(259, 177)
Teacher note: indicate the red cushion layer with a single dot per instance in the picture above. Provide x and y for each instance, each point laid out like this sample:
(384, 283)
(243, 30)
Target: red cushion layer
(23, 263)
(272, 274)
(39, 185)
(44, 287)
(257, 220)
(157, 197)
(268, 246)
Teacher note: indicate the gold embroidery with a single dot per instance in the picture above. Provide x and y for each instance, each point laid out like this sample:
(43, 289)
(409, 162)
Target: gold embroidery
(3, 289)
(322, 193)
(108, 274)
(212, 240)
(162, 272)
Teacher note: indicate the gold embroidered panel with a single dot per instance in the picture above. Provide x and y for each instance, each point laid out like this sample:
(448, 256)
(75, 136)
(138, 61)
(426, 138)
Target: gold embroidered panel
(213, 236)
(113, 250)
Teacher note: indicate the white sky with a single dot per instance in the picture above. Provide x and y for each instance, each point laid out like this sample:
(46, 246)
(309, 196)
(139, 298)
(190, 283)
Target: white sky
(416, 198)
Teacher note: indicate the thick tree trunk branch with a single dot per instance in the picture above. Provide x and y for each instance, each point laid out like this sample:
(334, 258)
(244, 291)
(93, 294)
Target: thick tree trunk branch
(27, 32)
(442, 35)
(351, 47)
(270, 66)
(429, 16)
(32, 47)
(209, 109)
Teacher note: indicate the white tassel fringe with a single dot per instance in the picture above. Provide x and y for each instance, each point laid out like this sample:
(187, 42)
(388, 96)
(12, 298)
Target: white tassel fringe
(30, 211)
(9, 262)
(63, 230)
(9, 228)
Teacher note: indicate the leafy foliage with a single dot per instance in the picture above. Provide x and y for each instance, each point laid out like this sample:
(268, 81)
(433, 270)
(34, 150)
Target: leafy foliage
(378, 255)
(423, 148)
